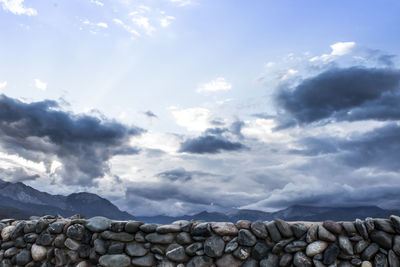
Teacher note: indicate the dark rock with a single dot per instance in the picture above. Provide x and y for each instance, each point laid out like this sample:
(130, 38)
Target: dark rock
(228, 260)
(349, 228)
(122, 237)
(325, 235)
(393, 259)
(30, 237)
(301, 260)
(18, 230)
(284, 228)
(60, 256)
(71, 244)
(242, 253)
(231, 246)
(200, 261)
(333, 227)
(20, 242)
(132, 226)
(140, 237)
(148, 227)
(360, 246)
(145, 261)
(100, 246)
(250, 263)
(396, 244)
(201, 229)
(176, 253)
(98, 224)
(299, 229)
(7, 245)
(286, 260)
(56, 227)
(356, 262)
(116, 248)
(246, 238)
(330, 254)
(384, 225)
(380, 260)
(278, 248)
(370, 251)
(356, 238)
(312, 233)
(260, 250)
(214, 246)
(396, 223)
(191, 249)
(273, 231)
(45, 239)
(295, 246)
(382, 238)
(10, 252)
(75, 231)
(59, 241)
(345, 245)
(135, 249)
(184, 238)
(362, 230)
(117, 260)
(259, 230)
(160, 238)
(271, 261)
(41, 225)
(117, 226)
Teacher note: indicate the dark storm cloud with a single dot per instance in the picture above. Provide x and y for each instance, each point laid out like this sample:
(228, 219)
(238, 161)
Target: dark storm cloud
(150, 114)
(176, 174)
(17, 174)
(209, 144)
(348, 94)
(39, 131)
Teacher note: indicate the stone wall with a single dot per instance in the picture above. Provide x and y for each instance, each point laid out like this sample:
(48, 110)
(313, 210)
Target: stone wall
(49, 241)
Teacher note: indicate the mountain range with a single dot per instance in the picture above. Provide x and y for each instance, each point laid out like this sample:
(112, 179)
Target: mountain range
(20, 201)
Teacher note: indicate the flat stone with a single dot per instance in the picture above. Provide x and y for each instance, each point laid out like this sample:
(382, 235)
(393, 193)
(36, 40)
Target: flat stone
(201, 229)
(345, 245)
(333, 227)
(246, 238)
(260, 250)
(132, 226)
(56, 227)
(315, 248)
(6, 232)
(191, 249)
(18, 230)
(295, 246)
(273, 231)
(396, 223)
(284, 228)
(360, 246)
(123, 237)
(279, 247)
(366, 264)
(99, 246)
(30, 227)
(312, 233)
(349, 228)
(369, 224)
(184, 238)
(23, 257)
(380, 260)
(370, 251)
(325, 235)
(231, 246)
(160, 238)
(259, 229)
(271, 261)
(224, 228)
(168, 228)
(242, 253)
(356, 262)
(176, 253)
(10, 252)
(140, 237)
(98, 224)
(393, 259)
(76, 231)
(384, 225)
(301, 260)
(214, 246)
(38, 252)
(228, 261)
(250, 263)
(145, 261)
(45, 239)
(330, 254)
(361, 228)
(286, 259)
(299, 229)
(243, 224)
(149, 227)
(382, 238)
(116, 260)
(396, 244)
(200, 261)
(117, 226)
(71, 244)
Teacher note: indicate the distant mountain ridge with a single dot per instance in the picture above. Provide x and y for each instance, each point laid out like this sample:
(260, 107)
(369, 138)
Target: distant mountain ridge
(20, 201)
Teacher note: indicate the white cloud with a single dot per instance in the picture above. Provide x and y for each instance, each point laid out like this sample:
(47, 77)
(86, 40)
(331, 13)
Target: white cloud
(143, 22)
(40, 84)
(219, 84)
(193, 119)
(166, 21)
(126, 27)
(96, 2)
(3, 85)
(16, 7)
(102, 24)
(338, 49)
(288, 74)
(182, 2)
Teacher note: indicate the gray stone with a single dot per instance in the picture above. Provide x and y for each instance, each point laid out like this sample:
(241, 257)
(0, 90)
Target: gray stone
(59, 241)
(356, 262)
(250, 263)
(123, 237)
(366, 264)
(214, 246)
(23, 257)
(228, 261)
(333, 227)
(18, 230)
(361, 229)
(168, 228)
(318, 263)
(315, 248)
(384, 225)
(75, 231)
(30, 227)
(301, 260)
(132, 226)
(260, 251)
(98, 224)
(184, 238)
(393, 259)
(380, 260)
(191, 249)
(231, 246)
(349, 228)
(99, 246)
(116, 248)
(71, 244)
(140, 237)
(278, 248)
(200, 261)
(117, 226)
(396, 223)
(149, 227)
(160, 238)
(176, 253)
(242, 253)
(382, 238)
(360, 246)
(286, 260)
(271, 261)
(116, 260)
(325, 235)
(45, 239)
(135, 249)
(201, 229)
(246, 238)
(243, 224)
(10, 252)
(166, 263)
(224, 228)
(61, 258)
(38, 252)
(284, 228)
(330, 254)
(312, 233)
(259, 230)
(396, 244)
(299, 229)
(295, 246)
(6, 232)
(345, 245)
(345, 264)
(56, 227)
(370, 251)
(145, 261)
(273, 231)
(369, 224)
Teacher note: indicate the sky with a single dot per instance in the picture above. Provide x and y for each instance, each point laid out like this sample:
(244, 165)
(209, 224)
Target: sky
(179, 106)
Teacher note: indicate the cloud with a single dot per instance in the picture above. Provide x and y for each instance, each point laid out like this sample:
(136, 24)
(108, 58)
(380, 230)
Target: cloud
(40, 85)
(144, 23)
(166, 21)
(17, 7)
(180, 174)
(17, 174)
(150, 114)
(209, 144)
(126, 27)
(102, 25)
(96, 2)
(3, 85)
(83, 144)
(193, 119)
(182, 2)
(219, 84)
(355, 93)
(338, 49)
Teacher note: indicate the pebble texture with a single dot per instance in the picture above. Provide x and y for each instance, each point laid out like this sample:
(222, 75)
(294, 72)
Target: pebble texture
(54, 241)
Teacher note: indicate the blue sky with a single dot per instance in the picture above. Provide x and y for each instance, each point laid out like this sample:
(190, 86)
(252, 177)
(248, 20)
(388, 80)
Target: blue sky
(225, 97)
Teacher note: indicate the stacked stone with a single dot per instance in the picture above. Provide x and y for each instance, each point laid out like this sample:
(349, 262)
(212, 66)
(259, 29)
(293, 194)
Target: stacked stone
(50, 241)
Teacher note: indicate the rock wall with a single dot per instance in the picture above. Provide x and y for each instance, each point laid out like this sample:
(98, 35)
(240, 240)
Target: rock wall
(49, 241)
